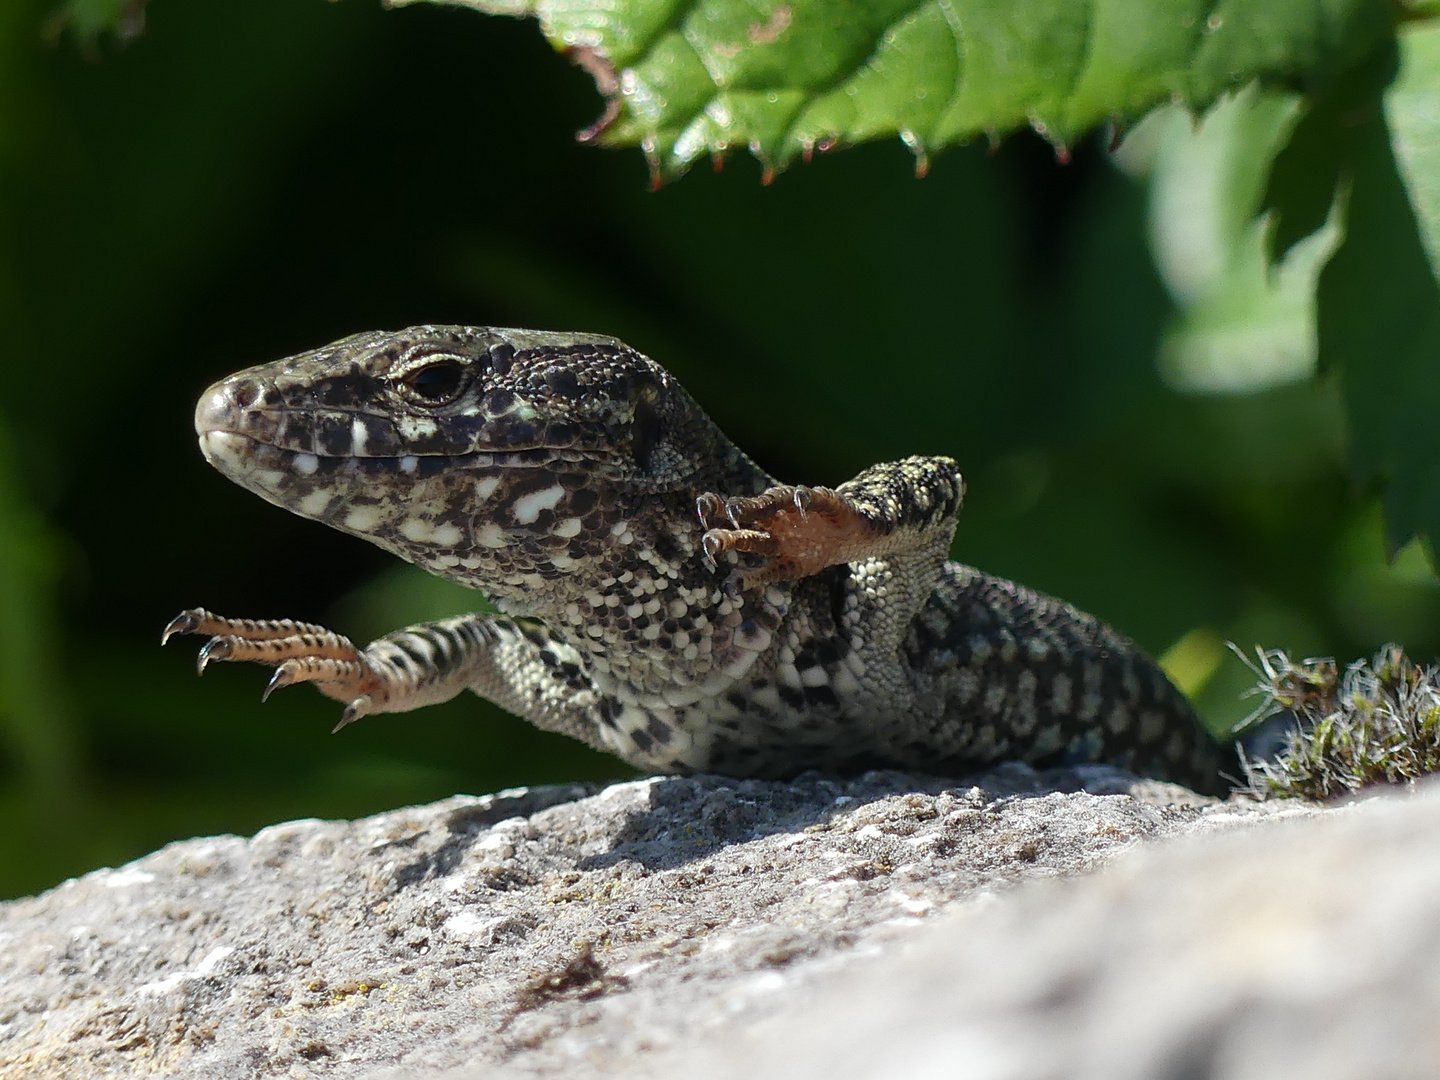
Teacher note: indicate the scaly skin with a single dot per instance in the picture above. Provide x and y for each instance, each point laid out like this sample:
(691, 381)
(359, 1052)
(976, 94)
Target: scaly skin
(668, 601)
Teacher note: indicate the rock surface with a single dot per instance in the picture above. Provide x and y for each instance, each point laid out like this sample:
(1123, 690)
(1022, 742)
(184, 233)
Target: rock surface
(1306, 948)
(863, 927)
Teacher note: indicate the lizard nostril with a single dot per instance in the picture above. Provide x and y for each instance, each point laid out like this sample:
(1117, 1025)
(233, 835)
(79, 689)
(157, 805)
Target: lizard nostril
(220, 407)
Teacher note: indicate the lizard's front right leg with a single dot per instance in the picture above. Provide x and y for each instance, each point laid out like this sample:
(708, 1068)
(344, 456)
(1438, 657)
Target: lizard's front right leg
(515, 666)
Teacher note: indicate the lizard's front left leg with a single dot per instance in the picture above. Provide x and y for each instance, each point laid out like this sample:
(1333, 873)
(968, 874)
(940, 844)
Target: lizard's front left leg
(515, 666)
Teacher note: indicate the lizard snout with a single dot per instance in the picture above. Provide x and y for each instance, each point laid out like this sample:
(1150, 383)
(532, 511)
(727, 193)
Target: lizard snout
(223, 406)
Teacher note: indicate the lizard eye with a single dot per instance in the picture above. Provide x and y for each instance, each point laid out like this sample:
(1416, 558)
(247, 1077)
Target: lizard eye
(437, 383)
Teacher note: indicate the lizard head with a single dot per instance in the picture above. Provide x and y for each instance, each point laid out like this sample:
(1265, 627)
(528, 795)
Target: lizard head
(483, 454)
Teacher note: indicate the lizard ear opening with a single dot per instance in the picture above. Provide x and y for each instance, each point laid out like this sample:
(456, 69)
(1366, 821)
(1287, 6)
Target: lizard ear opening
(644, 427)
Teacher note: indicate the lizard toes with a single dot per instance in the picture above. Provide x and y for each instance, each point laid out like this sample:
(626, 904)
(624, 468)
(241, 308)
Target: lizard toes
(778, 502)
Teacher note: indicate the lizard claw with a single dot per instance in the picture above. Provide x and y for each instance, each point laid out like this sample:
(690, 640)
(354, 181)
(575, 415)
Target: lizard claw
(286, 674)
(354, 711)
(712, 546)
(708, 506)
(187, 622)
(217, 648)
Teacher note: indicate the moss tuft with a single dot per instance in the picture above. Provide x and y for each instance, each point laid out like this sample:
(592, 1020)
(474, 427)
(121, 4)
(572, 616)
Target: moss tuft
(1378, 723)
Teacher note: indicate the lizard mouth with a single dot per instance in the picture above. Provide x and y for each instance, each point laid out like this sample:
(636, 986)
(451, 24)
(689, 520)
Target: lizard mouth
(238, 432)
(241, 456)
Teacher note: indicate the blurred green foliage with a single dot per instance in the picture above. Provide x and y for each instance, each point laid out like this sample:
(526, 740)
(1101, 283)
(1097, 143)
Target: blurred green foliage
(1122, 352)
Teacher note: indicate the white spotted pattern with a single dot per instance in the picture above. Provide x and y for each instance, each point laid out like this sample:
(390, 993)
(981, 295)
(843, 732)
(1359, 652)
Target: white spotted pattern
(527, 507)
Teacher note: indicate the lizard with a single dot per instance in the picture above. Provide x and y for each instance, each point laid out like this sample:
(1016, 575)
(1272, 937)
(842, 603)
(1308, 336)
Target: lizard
(660, 596)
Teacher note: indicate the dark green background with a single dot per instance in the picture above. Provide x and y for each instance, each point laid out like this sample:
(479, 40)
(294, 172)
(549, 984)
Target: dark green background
(255, 177)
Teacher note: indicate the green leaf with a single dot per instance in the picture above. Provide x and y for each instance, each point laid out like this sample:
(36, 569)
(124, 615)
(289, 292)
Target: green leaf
(1412, 113)
(1245, 320)
(788, 77)
(1379, 304)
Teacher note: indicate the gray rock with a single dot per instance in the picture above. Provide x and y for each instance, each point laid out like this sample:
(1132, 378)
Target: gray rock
(1308, 948)
(859, 927)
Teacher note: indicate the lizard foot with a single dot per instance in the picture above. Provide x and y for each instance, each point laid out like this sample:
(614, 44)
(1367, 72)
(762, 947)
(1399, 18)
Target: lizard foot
(782, 534)
(299, 652)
